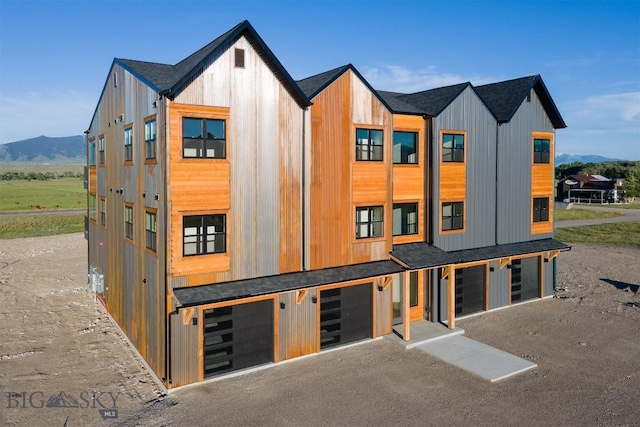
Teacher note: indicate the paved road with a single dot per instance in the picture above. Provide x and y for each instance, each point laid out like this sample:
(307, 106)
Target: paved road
(627, 215)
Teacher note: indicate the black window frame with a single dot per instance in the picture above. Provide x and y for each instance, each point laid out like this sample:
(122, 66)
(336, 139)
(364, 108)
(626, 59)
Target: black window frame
(101, 150)
(406, 224)
(456, 218)
(203, 244)
(375, 227)
(128, 225)
(102, 210)
(151, 234)
(150, 147)
(541, 150)
(453, 154)
(367, 148)
(128, 144)
(202, 145)
(415, 148)
(541, 209)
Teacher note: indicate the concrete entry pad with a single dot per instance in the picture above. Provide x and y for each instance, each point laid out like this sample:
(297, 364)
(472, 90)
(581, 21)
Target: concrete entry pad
(480, 359)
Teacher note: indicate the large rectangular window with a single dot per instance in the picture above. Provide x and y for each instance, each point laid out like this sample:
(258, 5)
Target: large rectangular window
(204, 138)
(92, 152)
(540, 209)
(128, 222)
(150, 139)
(103, 211)
(128, 145)
(405, 218)
(101, 149)
(369, 144)
(541, 148)
(151, 230)
(92, 207)
(369, 222)
(452, 216)
(405, 147)
(452, 147)
(204, 234)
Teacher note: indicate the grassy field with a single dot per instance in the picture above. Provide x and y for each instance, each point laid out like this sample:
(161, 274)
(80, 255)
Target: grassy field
(569, 214)
(618, 234)
(22, 195)
(12, 227)
(44, 168)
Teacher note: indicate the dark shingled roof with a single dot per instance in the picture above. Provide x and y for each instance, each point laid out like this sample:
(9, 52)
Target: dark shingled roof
(433, 101)
(397, 105)
(167, 79)
(421, 255)
(218, 292)
(504, 98)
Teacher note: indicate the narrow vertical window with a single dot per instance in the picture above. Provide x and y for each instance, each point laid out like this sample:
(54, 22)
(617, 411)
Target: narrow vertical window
(103, 211)
(101, 149)
(92, 152)
(128, 222)
(92, 207)
(150, 139)
(128, 145)
(239, 58)
(151, 230)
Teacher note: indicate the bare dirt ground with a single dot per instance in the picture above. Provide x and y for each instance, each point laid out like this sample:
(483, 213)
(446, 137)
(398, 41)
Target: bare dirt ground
(55, 339)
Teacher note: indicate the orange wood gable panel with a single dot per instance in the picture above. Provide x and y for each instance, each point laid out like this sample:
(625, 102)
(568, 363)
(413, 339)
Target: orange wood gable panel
(198, 186)
(542, 175)
(409, 180)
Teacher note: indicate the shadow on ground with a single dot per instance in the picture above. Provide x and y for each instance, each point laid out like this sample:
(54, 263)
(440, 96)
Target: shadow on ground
(622, 285)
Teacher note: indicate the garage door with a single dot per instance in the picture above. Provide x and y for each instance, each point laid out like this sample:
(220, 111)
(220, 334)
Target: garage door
(470, 290)
(345, 315)
(237, 337)
(525, 279)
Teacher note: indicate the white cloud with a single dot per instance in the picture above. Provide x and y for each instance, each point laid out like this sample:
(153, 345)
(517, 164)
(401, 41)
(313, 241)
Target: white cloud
(51, 113)
(396, 78)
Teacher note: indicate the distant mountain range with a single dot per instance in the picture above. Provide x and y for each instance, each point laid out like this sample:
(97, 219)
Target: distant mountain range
(564, 158)
(43, 149)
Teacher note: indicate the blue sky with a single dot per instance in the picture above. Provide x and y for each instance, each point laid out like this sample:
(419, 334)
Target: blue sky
(55, 55)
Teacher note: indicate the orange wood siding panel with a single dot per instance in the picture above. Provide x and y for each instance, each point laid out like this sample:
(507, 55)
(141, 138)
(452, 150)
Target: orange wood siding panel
(198, 186)
(370, 183)
(453, 181)
(92, 180)
(542, 176)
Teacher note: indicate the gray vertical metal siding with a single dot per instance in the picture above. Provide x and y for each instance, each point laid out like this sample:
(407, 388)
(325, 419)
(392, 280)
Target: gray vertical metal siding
(498, 286)
(514, 171)
(184, 351)
(468, 113)
(298, 324)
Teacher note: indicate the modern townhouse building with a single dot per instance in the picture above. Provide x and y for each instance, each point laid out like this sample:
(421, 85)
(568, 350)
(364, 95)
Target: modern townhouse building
(239, 218)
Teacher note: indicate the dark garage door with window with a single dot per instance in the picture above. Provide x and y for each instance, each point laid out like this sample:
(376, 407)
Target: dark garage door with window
(345, 315)
(237, 337)
(470, 289)
(525, 279)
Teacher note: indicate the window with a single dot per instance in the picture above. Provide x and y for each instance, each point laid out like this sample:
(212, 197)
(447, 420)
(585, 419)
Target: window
(92, 153)
(369, 144)
(128, 222)
(150, 139)
(405, 218)
(452, 216)
(101, 149)
(103, 211)
(541, 150)
(203, 138)
(239, 58)
(150, 227)
(92, 207)
(413, 289)
(204, 234)
(405, 147)
(452, 147)
(540, 209)
(128, 145)
(369, 222)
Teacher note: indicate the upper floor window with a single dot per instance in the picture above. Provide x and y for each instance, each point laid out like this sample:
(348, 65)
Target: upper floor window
(92, 153)
(204, 234)
(150, 139)
(452, 216)
(540, 209)
(128, 145)
(128, 222)
(541, 150)
(369, 222)
(452, 147)
(405, 147)
(101, 149)
(369, 144)
(405, 218)
(151, 230)
(103, 211)
(204, 138)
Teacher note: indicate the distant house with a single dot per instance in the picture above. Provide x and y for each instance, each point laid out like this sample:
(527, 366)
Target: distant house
(588, 189)
(238, 217)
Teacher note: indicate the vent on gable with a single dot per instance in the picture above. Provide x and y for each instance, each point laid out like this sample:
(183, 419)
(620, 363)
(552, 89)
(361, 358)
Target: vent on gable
(115, 79)
(529, 96)
(239, 58)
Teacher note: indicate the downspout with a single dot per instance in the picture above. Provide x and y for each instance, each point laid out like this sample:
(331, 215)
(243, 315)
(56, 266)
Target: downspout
(495, 215)
(304, 190)
(167, 225)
